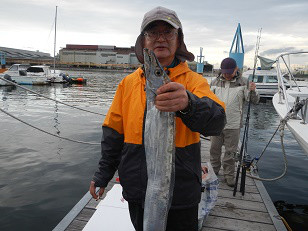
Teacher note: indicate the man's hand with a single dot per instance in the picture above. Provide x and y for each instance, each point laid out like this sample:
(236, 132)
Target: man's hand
(204, 172)
(171, 97)
(93, 193)
(252, 86)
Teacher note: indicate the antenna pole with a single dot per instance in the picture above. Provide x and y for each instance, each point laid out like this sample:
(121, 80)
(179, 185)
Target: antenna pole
(55, 40)
(256, 52)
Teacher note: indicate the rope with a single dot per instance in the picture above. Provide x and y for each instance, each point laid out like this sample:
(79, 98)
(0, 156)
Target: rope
(286, 224)
(285, 167)
(296, 108)
(280, 127)
(81, 109)
(60, 137)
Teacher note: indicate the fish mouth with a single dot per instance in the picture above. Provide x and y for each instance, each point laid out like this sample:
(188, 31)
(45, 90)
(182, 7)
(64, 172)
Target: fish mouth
(151, 62)
(147, 57)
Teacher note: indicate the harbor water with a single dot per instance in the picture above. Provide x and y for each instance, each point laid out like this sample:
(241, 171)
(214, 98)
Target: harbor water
(42, 177)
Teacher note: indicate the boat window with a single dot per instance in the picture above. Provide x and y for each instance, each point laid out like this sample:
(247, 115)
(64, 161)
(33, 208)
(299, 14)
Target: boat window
(272, 79)
(259, 78)
(256, 79)
(35, 69)
(23, 67)
(13, 68)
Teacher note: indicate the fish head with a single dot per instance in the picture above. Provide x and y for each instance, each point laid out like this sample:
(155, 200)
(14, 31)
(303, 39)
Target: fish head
(153, 69)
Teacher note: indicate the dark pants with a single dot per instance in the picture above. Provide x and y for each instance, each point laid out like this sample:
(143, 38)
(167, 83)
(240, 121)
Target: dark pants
(178, 219)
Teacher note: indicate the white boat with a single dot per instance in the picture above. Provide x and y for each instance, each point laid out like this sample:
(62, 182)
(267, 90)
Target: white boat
(50, 76)
(31, 75)
(14, 70)
(18, 73)
(293, 103)
(267, 81)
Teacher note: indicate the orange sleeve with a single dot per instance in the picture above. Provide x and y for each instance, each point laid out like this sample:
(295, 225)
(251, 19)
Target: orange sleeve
(114, 117)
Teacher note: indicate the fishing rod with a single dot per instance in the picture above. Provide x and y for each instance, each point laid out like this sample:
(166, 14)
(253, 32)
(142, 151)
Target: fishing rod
(245, 160)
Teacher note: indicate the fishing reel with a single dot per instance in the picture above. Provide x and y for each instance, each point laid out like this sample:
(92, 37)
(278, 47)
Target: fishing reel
(253, 165)
(247, 162)
(237, 156)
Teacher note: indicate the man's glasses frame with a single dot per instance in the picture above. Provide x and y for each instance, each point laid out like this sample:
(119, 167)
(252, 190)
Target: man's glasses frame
(155, 35)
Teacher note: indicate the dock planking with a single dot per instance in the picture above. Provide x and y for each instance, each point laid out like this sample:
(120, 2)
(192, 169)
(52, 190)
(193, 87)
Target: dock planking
(253, 211)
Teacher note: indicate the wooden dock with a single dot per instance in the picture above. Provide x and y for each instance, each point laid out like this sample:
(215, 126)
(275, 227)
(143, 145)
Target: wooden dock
(253, 211)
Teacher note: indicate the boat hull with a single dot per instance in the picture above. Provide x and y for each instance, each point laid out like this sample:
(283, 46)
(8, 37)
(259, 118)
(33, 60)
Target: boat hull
(296, 126)
(25, 80)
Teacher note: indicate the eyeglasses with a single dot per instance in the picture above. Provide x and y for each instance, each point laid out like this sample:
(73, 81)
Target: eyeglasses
(167, 34)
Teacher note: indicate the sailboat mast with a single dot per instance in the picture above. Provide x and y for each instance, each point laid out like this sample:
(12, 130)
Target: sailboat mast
(54, 48)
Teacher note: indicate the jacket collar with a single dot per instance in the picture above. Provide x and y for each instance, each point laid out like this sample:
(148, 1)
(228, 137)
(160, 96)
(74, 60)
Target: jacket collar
(232, 80)
(180, 69)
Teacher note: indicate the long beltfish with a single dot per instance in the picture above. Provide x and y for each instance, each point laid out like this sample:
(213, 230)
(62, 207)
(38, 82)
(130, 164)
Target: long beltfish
(159, 136)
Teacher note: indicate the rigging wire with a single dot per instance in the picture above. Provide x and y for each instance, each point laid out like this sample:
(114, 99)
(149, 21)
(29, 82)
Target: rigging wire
(27, 89)
(60, 137)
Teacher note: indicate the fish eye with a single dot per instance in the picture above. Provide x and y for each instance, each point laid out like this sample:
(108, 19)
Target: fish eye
(158, 72)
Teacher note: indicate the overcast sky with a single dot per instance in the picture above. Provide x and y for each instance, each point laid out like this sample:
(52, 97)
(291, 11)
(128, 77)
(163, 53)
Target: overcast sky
(211, 24)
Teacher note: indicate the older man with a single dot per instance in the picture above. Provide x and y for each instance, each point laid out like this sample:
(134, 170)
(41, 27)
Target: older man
(197, 109)
(233, 89)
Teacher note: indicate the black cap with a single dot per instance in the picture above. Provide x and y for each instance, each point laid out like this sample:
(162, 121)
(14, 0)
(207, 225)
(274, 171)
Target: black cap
(228, 66)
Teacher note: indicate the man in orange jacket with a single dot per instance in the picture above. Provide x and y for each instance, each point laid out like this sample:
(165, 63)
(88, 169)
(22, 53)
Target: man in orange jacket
(197, 109)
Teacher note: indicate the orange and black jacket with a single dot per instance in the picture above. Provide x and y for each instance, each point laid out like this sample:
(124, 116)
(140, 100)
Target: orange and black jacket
(122, 141)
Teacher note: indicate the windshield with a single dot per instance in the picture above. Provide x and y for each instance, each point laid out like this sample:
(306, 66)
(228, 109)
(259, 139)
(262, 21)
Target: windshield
(23, 67)
(272, 79)
(13, 68)
(256, 79)
(35, 69)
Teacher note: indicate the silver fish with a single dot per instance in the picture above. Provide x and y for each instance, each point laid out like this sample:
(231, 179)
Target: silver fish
(159, 136)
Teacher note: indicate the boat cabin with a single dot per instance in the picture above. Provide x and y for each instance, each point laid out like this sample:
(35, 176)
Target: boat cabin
(266, 81)
(17, 69)
(39, 70)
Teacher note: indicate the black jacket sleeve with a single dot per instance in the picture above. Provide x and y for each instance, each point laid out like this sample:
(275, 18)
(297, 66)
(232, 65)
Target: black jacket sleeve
(111, 149)
(204, 116)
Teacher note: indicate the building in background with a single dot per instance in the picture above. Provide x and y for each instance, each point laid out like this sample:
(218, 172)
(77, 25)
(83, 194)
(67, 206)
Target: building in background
(97, 54)
(85, 56)
(13, 55)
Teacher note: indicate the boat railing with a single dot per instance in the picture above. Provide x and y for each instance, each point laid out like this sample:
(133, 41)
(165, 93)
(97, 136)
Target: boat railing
(281, 85)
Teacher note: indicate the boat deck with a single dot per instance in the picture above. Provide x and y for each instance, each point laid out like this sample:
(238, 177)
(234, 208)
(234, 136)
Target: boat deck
(253, 211)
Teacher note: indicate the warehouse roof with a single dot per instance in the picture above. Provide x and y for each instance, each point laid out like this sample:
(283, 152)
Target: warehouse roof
(23, 54)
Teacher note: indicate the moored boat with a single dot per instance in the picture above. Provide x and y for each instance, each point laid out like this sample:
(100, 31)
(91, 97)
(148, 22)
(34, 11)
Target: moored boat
(266, 79)
(18, 73)
(292, 105)
(24, 74)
